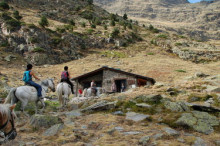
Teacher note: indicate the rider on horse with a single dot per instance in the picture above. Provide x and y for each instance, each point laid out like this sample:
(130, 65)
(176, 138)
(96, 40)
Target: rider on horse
(65, 77)
(27, 78)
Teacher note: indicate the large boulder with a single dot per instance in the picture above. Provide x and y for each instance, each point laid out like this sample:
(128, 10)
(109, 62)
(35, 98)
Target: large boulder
(144, 140)
(171, 132)
(136, 116)
(204, 108)
(215, 89)
(199, 142)
(199, 121)
(45, 121)
(99, 106)
(179, 106)
(53, 130)
(149, 98)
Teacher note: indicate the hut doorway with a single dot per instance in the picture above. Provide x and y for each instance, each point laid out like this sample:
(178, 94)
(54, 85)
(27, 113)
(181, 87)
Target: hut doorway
(119, 84)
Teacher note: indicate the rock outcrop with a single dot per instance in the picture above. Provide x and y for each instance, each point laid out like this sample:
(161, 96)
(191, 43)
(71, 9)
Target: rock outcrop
(199, 121)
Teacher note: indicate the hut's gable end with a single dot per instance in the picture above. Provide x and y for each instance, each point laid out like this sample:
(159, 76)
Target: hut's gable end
(110, 76)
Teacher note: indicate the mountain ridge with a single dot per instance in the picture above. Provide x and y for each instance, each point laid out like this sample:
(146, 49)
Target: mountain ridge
(201, 18)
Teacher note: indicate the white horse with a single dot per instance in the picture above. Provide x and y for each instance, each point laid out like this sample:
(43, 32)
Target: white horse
(27, 94)
(63, 93)
(90, 92)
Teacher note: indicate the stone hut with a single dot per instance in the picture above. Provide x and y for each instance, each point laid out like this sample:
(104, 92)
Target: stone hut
(105, 76)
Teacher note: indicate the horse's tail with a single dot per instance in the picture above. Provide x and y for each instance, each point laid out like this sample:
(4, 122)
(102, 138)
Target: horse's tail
(11, 96)
(84, 94)
(60, 93)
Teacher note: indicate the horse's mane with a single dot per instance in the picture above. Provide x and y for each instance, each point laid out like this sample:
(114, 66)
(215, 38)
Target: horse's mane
(5, 110)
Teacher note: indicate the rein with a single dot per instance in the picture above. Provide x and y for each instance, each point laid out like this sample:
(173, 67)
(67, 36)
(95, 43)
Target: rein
(11, 134)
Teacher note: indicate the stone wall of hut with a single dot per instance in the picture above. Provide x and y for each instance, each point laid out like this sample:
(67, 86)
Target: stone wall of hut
(97, 77)
(110, 76)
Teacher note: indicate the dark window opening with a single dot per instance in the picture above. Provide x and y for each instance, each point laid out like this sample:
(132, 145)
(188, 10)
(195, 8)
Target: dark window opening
(120, 85)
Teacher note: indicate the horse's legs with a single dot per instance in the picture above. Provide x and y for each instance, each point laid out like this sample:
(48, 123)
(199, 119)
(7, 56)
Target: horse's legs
(42, 102)
(36, 106)
(23, 105)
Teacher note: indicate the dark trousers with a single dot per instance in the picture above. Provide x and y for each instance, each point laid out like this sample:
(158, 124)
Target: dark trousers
(37, 86)
(68, 82)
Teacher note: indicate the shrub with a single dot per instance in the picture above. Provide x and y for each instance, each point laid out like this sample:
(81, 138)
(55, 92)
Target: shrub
(93, 26)
(113, 17)
(5, 16)
(77, 8)
(155, 30)
(87, 15)
(32, 26)
(13, 24)
(90, 31)
(33, 40)
(16, 15)
(105, 27)
(60, 30)
(43, 22)
(115, 32)
(143, 25)
(130, 26)
(90, 2)
(4, 5)
(154, 42)
(38, 49)
(125, 16)
(98, 21)
(68, 27)
(83, 24)
(4, 44)
(112, 23)
(151, 27)
(135, 36)
(72, 22)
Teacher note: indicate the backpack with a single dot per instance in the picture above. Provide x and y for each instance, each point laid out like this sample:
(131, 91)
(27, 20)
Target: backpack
(26, 76)
(64, 75)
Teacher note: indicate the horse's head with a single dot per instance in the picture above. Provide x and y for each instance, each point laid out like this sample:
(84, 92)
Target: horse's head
(7, 125)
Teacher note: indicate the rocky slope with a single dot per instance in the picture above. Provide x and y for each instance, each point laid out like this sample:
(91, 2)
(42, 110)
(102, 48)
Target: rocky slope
(199, 21)
(70, 32)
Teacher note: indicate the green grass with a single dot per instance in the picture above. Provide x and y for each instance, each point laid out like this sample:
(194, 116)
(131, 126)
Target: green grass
(52, 105)
(114, 54)
(162, 36)
(178, 44)
(150, 53)
(180, 70)
(89, 31)
(38, 49)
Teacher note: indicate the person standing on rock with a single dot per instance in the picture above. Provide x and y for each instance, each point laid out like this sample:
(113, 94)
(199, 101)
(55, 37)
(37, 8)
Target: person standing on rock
(65, 77)
(27, 78)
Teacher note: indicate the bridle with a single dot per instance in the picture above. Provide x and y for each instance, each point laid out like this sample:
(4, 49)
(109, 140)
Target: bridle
(4, 137)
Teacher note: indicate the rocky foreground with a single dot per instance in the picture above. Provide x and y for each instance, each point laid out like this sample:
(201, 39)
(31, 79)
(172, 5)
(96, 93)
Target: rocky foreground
(142, 116)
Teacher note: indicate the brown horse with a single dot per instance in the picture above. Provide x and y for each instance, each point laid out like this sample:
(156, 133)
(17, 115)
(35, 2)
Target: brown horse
(7, 125)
